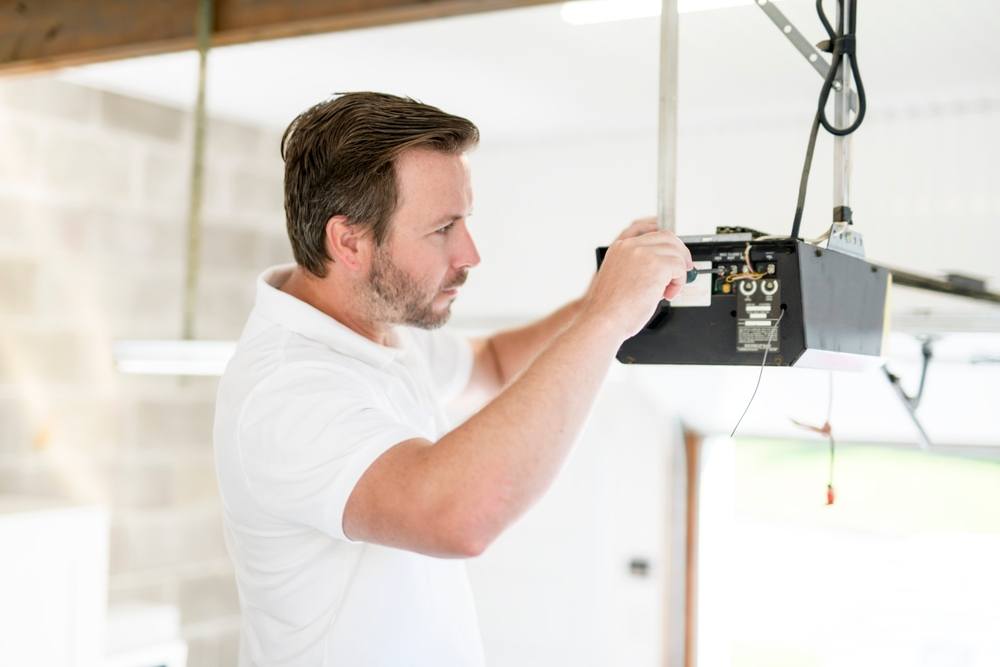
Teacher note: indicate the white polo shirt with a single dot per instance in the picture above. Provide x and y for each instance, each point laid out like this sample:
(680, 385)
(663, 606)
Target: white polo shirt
(304, 407)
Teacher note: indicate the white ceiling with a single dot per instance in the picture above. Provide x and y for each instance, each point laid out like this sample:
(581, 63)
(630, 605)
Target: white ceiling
(526, 71)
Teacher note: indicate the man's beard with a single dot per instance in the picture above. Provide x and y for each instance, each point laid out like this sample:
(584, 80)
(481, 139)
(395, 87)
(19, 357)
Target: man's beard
(396, 298)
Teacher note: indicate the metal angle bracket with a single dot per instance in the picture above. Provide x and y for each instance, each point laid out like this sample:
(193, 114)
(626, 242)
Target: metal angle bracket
(911, 403)
(802, 45)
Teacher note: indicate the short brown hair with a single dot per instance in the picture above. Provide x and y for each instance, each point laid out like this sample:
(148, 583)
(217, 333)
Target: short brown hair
(339, 160)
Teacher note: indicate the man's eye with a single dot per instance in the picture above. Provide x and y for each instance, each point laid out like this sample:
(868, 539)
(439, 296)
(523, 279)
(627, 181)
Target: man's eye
(446, 228)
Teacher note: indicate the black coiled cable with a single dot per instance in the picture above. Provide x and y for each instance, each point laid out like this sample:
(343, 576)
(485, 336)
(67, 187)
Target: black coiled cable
(841, 43)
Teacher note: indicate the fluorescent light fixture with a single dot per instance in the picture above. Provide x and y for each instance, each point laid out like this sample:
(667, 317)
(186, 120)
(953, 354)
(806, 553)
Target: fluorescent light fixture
(586, 12)
(173, 357)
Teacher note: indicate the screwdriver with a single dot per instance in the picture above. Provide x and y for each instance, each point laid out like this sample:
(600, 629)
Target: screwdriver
(692, 274)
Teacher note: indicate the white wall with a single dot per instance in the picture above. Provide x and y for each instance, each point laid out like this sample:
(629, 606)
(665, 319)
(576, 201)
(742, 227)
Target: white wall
(556, 588)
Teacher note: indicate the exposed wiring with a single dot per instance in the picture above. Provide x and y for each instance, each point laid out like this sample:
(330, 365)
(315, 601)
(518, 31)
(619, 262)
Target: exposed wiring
(748, 273)
(751, 274)
(826, 430)
(842, 43)
(763, 363)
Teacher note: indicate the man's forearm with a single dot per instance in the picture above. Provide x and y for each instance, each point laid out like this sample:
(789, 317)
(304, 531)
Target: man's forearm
(490, 469)
(515, 349)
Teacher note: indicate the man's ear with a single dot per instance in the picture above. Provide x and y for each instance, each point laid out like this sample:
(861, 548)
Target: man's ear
(346, 243)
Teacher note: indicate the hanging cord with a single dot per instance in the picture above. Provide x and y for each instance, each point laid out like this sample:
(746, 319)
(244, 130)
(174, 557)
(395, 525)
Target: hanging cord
(841, 43)
(804, 179)
(763, 363)
(203, 29)
(826, 430)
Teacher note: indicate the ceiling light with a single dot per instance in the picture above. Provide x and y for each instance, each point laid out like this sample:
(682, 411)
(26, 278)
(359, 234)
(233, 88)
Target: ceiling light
(173, 357)
(585, 12)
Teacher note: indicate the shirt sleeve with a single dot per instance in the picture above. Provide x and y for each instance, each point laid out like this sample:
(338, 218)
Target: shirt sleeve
(305, 439)
(449, 358)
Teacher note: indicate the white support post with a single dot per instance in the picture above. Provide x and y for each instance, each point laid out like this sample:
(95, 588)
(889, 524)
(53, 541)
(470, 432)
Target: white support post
(842, 118)
(667, 146)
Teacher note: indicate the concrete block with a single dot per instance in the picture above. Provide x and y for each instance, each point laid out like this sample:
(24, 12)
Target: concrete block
(141, 237)
(135, 485)
(69, 292)
(16, 430)
(68, 229)
(14, 226)
(216, 197)
(149, 119)
(150, 387)
(212, 646)
(20, 159)
(209, 597)
(53, 356)
(18, 285)
(229, 140)
(175, 422)
(273, 249)
(84, 424)
(229, 648)
(86, 427)
(228, 247)
(137, 299)
(165, 176)
(90, 168)
(223, 306)
(193, 480)
(269, 146)
(46, 228)
(204, 651)
(30, 477)
(162, 479)
(258, 191)
(44, 95)
(140, 590)
(164, 538)
(166, 181)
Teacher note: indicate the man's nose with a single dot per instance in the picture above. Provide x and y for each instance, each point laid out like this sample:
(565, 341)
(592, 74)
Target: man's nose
(468, 255)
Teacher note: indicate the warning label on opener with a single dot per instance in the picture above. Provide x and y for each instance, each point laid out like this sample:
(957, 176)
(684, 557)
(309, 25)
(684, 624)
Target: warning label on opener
(758, 307)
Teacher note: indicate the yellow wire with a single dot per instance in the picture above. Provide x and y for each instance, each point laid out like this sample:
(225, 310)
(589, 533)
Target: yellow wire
(750, 274)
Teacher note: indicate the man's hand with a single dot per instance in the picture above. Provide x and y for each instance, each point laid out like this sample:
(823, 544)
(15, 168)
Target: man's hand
(641, 267)
(637, 228)
(502, 357)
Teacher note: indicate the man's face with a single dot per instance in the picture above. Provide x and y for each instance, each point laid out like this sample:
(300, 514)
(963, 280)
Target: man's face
(415, 275)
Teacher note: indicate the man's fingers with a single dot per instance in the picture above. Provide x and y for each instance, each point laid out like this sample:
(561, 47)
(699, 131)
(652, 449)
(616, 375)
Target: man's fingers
(637, 228)
(673, 289)
(643, 222)
(656, 236)
(666, 239)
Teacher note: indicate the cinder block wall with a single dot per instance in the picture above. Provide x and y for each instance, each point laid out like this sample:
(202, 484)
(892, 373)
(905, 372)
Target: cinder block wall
(93, 199)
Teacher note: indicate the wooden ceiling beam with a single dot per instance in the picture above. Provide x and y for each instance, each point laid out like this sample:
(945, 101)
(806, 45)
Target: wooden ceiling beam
(37, 35)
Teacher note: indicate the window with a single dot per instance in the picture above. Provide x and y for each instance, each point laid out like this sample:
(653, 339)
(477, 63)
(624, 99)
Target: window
(903, 569)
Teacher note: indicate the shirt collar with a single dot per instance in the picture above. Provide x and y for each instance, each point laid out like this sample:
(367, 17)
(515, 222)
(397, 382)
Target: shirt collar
(285, 310)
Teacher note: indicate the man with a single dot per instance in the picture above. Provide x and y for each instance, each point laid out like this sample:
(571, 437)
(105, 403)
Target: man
(349, 501)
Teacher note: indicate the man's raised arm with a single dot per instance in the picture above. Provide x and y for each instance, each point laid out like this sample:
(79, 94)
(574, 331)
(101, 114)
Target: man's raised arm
(454, 497)
(500, 358)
